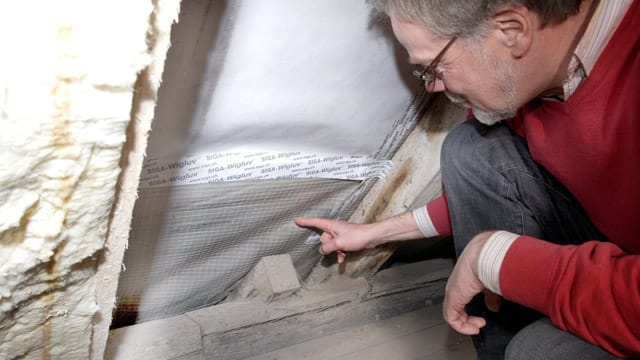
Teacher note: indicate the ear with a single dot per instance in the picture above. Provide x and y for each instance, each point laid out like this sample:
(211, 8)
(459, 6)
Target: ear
(513, 28)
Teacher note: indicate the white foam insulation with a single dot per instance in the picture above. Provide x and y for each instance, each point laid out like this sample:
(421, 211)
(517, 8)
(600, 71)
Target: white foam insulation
(68, 71)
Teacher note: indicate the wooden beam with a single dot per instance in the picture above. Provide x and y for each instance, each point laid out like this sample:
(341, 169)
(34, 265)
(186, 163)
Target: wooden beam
(145, 93)
(237, 330)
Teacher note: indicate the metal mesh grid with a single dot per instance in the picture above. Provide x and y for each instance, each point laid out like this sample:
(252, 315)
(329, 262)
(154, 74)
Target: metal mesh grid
(189, 244)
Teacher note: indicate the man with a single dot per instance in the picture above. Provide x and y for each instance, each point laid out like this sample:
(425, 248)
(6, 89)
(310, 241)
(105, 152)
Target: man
(544, 207)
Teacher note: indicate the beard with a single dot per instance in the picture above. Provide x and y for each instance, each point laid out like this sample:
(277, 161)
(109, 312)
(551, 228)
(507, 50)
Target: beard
(504, 75)
(492, 117)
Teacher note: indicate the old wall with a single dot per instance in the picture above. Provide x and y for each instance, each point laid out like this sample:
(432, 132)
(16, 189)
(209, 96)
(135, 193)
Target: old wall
(68, 71)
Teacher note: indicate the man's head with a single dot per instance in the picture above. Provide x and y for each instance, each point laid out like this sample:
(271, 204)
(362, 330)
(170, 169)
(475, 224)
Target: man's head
(469, 18)
(491, 67)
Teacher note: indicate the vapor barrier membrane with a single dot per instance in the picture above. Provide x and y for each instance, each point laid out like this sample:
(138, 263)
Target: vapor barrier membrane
(190, 244)
(193, 242)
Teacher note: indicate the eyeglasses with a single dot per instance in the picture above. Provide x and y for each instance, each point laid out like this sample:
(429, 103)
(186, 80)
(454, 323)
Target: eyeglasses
(430, 72)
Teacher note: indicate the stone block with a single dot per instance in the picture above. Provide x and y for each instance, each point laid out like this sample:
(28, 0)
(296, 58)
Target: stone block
(273, 277)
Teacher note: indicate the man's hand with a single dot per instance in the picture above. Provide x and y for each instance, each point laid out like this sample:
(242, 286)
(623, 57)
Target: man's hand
(463, 285)
(341, 236)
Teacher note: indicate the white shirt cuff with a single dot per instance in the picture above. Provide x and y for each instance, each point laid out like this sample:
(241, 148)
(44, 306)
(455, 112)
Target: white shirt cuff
(422, 219)
(491, 258)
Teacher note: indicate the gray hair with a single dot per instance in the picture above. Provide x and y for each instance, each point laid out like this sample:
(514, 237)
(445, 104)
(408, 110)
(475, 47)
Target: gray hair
(470, 18)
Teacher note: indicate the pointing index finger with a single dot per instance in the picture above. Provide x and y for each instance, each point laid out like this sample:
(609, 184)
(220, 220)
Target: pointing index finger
(319, 223)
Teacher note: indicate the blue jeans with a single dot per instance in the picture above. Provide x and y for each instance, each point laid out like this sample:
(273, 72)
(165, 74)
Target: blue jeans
(492, 183)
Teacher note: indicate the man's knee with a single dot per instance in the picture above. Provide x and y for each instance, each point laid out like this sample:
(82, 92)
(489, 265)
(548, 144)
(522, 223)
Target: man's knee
(472, 148)
(542, 340)
(525, 345)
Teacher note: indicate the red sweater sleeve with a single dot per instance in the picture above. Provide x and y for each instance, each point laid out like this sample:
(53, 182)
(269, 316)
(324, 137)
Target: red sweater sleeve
(591, 290)
(439, 214)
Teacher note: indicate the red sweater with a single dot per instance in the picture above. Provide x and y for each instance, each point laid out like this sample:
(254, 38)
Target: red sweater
(590, 143)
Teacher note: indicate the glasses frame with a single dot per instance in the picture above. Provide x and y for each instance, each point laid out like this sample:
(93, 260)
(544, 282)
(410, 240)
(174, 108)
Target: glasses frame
(430, 72)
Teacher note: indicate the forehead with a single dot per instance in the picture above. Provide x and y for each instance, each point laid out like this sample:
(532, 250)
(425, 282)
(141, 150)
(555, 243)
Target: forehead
(421, 43)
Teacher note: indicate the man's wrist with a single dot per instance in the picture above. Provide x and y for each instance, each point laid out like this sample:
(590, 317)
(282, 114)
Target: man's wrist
(491, 257)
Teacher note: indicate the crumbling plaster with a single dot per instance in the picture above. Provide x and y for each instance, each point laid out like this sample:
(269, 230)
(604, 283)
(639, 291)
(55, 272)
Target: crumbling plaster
(73, 74)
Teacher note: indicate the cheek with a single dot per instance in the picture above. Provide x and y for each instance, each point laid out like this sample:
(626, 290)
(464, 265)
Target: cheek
(469, 89)
(481, 89)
